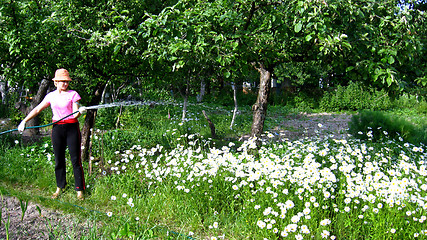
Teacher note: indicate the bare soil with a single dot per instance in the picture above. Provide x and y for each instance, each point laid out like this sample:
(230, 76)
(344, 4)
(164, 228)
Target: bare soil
(41, 224)
(37, 222)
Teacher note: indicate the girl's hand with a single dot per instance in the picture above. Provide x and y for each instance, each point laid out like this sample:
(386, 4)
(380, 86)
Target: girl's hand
(82, 110)
(21, 126)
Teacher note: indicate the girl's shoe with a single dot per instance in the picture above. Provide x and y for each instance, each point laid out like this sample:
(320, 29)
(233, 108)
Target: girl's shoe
(57, 193)
(80, 196)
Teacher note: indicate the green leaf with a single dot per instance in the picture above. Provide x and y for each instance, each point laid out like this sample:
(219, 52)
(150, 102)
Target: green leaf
(117, 49)
(389, 80)
(346, 44)
(227, 74)
(298, 27)
(348, 69)
(308, 38)
(391, 60)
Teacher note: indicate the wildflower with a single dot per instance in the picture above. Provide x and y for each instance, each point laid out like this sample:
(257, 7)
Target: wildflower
(295, 219)
(323, 152)
(304, 229)
(267, 211)
(109, 214)
(393, 230)
(292, 227)
(215, 225)
(113, 198)
(298, 237)
(289, 204)
(325, 234)
(325, 222)
(261, 224)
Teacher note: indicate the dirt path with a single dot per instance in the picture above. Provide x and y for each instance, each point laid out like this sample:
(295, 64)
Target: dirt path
(321, 125)
(309, 125)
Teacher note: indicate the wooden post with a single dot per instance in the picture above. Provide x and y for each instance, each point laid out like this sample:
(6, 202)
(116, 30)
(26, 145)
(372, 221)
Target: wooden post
(211, 125)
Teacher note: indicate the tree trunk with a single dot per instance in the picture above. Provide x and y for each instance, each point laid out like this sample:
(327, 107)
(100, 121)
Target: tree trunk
(184, 109)
(104, 93)
(37, 99)
(211, 125)
(202, 90)
(90, 122)
(259, 109)
(235, 104)
(3, 89)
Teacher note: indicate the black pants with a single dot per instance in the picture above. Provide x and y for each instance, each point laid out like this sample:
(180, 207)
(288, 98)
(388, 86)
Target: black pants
(63, 136)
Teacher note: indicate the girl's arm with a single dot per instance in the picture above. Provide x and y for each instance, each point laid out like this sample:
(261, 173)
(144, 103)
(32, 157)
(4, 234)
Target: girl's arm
(36, 111)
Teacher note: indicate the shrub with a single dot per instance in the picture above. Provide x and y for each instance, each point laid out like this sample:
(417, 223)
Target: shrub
(413, 102)
(355, 97)
(376, 126)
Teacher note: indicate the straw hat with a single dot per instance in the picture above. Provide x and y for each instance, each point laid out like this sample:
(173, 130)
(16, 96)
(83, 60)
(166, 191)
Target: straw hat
(62, 75)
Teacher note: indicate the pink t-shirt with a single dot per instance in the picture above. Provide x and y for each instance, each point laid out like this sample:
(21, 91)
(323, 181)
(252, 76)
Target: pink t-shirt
(62, 104)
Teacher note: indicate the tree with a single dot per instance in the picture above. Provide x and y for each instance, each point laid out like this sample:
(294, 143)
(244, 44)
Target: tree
(95, 40)
(363, 40)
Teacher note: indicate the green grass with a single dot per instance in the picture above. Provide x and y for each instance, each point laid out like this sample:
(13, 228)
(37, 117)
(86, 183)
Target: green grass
(155, 177)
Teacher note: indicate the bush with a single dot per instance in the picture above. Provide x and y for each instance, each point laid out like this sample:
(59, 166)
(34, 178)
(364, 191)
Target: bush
(408, 101)
(377, 126)
(355, 97)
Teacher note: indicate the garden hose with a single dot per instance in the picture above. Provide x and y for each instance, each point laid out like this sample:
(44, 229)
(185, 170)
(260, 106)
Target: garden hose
(47, 125)
(109, 105)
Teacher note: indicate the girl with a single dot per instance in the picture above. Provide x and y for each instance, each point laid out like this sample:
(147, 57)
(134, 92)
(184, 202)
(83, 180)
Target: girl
(65, 133)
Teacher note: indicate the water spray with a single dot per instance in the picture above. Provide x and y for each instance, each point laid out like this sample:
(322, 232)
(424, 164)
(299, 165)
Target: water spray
(108, 105)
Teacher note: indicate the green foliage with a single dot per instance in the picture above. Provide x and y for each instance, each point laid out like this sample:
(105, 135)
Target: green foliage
(412, 102)
(379, 126)
(224, 98)
(8, 141)
(355, 97)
